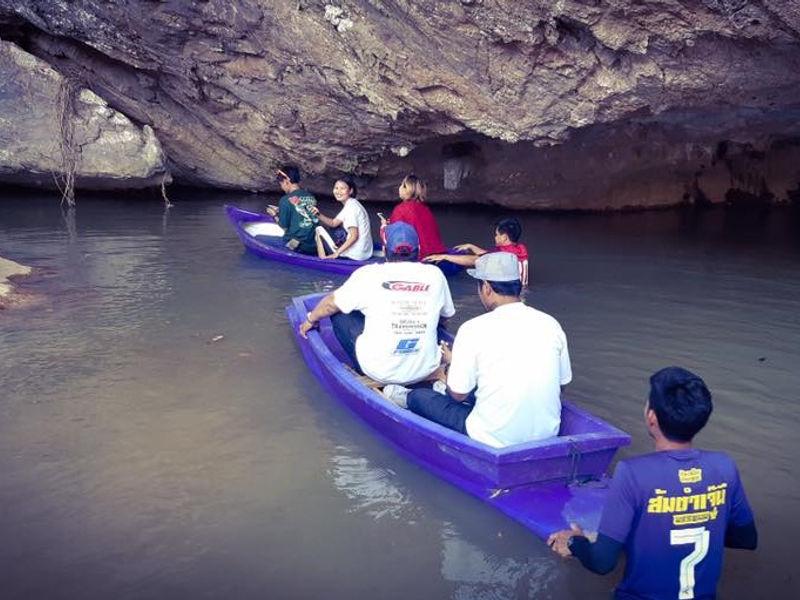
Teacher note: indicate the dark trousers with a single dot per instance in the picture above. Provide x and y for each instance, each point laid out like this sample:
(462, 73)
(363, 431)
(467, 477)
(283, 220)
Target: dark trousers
(441, 408)
(347, 328)
(449, 268)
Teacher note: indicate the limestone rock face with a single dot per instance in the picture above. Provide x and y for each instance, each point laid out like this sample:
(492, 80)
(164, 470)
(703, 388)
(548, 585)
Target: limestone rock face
(109, 150)
(526, 103)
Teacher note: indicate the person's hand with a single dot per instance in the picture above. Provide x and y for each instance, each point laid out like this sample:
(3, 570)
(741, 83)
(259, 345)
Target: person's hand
(433, 258)
(464, 247)
(305, 327)
(272, 210)
(313, 210)
(383, 220)
(559, 541)
(331, 256)
(447, 353)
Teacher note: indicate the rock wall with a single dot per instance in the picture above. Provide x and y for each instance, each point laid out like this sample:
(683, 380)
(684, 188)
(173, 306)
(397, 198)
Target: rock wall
(530, 104)
(45, 122)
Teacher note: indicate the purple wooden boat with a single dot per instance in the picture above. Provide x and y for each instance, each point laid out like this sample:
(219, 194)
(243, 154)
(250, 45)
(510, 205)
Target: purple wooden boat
(248, 225)
(544, 485)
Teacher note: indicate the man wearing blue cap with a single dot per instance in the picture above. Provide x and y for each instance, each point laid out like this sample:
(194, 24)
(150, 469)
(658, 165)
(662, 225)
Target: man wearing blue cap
(506, 368)
(386, 315)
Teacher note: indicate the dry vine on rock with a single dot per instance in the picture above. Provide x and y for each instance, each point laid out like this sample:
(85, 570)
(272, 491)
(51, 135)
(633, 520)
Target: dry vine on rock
(66, 112)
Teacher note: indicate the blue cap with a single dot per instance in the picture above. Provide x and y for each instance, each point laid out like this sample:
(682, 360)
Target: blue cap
(401, 238)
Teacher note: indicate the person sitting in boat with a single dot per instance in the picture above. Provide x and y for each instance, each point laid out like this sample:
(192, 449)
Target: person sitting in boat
(672, 511)
(294, 212)
(507, 232)
(414, 211)
(506, 367)
(386, 315)
(351, 236)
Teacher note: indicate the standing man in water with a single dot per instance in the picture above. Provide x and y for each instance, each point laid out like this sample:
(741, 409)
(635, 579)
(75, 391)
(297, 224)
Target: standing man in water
(674, 510)
(294, 212)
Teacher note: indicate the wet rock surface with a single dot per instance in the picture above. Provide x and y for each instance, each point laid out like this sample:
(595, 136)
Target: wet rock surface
(10, 270)
(576, 104)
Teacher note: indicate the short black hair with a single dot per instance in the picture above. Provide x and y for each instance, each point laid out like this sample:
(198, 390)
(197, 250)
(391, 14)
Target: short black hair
(292, 173)
(510, 226)
(348, 181)
(681, 401)
(506, 288)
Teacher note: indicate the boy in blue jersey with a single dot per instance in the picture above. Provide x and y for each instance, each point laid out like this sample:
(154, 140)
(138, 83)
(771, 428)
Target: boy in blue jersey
(673, 511)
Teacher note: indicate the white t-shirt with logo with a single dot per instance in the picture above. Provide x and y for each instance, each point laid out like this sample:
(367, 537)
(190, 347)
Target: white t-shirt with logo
(353, 214)
(402, 303)
(517, 358)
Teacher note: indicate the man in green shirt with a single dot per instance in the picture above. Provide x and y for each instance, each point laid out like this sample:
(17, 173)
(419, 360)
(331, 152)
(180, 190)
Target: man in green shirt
(293, 212)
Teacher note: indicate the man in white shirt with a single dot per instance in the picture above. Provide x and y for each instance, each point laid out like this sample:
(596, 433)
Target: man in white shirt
(506, 368)
(386, 315)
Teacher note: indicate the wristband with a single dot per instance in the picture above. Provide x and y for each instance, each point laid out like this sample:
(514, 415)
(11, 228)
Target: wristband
(308, 319)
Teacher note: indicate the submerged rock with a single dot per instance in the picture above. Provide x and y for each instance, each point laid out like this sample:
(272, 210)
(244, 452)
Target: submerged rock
(45, 121)
(8, 270)
(569, 104)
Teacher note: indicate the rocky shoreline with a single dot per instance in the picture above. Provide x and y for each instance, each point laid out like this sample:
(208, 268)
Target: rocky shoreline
(10, 270)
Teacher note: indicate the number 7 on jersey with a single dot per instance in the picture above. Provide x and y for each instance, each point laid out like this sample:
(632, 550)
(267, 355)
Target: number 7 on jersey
(698, 536)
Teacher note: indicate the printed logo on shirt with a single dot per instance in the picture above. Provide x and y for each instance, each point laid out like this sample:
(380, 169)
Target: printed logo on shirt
(405, 286)
(690, 475)
(689, 508)
(407, 346)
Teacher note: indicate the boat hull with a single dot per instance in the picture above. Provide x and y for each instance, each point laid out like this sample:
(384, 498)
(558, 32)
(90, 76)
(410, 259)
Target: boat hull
(240, 218)
(544, 485)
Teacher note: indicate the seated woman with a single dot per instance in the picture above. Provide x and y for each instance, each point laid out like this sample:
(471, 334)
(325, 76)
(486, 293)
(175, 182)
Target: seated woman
(507, 232)
(413, 210)
(352, 237)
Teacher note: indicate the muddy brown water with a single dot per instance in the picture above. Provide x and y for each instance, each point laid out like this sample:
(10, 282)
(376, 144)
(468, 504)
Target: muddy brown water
(141, 459)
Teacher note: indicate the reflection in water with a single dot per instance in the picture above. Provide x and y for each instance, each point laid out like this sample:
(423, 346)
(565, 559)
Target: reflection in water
(370, 489)
(482, 576)
(475, 572)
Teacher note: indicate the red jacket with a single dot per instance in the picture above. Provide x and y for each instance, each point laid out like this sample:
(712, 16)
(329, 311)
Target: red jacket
(420, 217)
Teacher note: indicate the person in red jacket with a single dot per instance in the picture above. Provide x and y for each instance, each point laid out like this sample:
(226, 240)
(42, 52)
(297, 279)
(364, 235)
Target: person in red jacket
(413, 210)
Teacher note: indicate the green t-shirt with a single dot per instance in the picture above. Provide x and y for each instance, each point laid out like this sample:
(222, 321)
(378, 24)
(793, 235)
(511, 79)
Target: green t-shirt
(294, 215)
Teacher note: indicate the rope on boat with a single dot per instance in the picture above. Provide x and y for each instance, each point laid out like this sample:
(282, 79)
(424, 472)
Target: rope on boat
(574, 457)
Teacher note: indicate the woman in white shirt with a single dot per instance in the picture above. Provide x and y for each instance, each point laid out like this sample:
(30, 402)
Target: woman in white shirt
(351, 226)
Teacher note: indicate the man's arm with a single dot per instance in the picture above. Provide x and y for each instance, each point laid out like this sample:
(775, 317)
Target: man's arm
(599, 557)
(465, 260)
(325, 308)
(284, 213)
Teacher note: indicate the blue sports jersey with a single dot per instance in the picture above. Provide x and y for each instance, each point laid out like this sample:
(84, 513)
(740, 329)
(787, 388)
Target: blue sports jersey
(671, 509)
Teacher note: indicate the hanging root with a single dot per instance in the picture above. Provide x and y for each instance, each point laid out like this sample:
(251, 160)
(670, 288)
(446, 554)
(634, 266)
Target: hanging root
(167, 203)
(66, 102)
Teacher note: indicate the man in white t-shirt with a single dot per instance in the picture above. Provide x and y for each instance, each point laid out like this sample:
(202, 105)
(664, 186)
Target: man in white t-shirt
(386, 315)
(506, 368)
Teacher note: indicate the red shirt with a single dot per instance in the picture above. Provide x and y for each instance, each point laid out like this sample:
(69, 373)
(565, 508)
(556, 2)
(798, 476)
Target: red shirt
(519, 250)
(420, 217)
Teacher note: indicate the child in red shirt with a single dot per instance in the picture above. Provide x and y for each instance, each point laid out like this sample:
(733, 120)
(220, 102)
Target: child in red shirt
(507, 232)
(413, 210)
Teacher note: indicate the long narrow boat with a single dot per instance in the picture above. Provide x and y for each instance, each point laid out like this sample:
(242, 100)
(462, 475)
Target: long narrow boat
(250, 226)
(544, 485)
